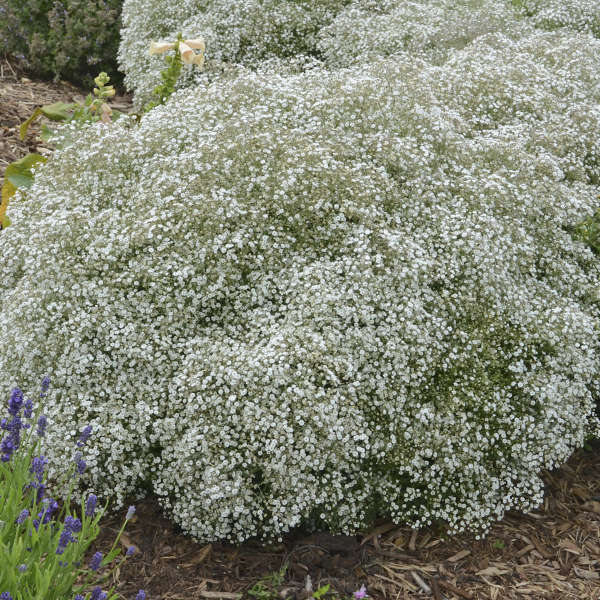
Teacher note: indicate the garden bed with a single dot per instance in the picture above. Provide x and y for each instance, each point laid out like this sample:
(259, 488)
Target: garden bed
(552, 553)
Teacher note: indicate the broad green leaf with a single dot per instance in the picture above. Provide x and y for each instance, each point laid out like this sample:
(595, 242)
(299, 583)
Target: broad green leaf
(17, 175)
(59, 111)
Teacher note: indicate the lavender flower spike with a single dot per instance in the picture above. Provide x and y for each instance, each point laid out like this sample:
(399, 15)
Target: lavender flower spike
(96, 561)
(45, 386)
(5, 596)
(141, 595)
(85, 436)
(41, 425)
(16, 402)
(130, 513)
(130, 551)
(22, 516)
(90, 505)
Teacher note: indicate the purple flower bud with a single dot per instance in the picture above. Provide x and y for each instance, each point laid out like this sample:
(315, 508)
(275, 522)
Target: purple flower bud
(141, 595)
(38, 464)
(45, 386)
(80, 463)
(41, 425)
(96, 593)
(22, 568)
(96, 561)
(73, 524)
(84, 436)
(16, 402)
(22, 516)
(361, 593)
(130, 551)
(90, 505)
(79, 597)
(5, 596)
(130, 513)
(28, 408)
(7, 448)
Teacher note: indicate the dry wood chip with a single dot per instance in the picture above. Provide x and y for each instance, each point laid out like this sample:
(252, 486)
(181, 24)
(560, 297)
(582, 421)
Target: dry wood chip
(592, 506)
(458, 556)
(590, 575)
(569, 546)
(224, 595)
(413, 538)
(493, 572)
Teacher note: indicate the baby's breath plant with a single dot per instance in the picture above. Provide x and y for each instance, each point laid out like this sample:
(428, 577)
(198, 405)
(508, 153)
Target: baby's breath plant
(42, 543)
(316, 298)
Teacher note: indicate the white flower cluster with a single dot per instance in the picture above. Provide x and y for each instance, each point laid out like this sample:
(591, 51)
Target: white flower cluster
(578, 15)
(320, 297)
(338, 32)
(244, 31)
(431, 29)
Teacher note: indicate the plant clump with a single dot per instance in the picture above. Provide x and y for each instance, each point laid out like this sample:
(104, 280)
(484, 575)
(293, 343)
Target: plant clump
(324, 297)
(68, 39)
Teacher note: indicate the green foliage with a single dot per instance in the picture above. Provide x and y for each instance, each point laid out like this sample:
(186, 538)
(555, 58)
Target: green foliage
(588, 231)
(169, 77)
(17, 175)
(65, 39)
(267, 588)
(93, 109)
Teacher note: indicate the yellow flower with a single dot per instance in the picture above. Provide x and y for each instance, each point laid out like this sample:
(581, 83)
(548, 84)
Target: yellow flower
(160, 47)
(186, 49)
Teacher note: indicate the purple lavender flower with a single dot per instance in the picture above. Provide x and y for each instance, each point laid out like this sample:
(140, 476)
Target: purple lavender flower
(63, 563)
(96, 593)
(130, 551)
(90, 505)
(28, 411)
(84, 436)
(16, 402)
(130, 513)
(5, 596)
(41, 425)
(141, 595)
(96, 561)
(22, 568)
(50, 507)
(80, 463)
(38, 464)
(72, 525)
(45, 386)
(361, 593)
(7, 448)
(79, 597)
(3, 424)
(22, 516)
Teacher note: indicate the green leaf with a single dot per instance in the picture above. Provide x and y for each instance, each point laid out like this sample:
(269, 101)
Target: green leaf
(46, 133)
(17, 175)
(59, 111)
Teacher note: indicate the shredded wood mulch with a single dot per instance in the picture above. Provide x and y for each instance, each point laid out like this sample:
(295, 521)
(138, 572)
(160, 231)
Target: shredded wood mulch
(19, 97)
(551, 554)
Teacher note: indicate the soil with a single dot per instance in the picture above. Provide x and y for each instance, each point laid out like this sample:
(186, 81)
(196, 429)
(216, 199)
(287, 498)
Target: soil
(553, 553)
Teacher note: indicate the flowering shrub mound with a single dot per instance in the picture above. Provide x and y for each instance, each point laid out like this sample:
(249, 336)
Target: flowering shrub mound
(243, 31)
(430, 29)
(323, 297)
(578, 15)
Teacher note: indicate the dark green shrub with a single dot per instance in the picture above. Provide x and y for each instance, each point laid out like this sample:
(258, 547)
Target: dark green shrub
(68, 39)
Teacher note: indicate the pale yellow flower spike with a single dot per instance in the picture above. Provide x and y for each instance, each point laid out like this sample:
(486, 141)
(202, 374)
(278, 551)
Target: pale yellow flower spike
(187, 54)
(197, 44)
(160, 47)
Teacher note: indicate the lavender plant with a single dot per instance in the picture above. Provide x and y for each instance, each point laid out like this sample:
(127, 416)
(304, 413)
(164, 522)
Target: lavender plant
(42, 542)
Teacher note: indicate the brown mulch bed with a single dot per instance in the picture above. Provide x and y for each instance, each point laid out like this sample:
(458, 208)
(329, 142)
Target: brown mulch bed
(553, 553)
(19, 96)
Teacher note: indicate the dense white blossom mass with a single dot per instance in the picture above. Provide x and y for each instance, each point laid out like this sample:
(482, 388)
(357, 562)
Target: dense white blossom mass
(319, 297)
